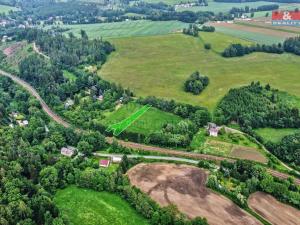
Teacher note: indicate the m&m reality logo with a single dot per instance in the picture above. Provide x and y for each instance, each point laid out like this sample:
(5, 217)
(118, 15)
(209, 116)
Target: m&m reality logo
(286, 18)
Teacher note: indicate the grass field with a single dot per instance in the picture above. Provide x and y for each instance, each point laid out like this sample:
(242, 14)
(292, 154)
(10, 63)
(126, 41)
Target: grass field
(249, 35)
(122, 125)
(150, 121)
(87, 207)
(127, 28)
(5, 8)
(275, 135)
(159, 66)
(69, 75)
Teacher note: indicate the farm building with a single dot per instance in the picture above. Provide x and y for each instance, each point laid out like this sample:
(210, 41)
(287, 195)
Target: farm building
(104, 163)
(68, 151)
(213, 129)
(116, 159)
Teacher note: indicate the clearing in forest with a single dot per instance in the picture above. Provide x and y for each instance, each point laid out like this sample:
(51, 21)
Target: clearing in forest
(119, 127)
(87, 207)
(184, 186)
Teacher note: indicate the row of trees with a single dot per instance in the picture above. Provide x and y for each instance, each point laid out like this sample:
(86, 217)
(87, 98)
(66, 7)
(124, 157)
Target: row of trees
(236, 50)
(247, 9)
(291, 45)
(251, 178)
(196, 83)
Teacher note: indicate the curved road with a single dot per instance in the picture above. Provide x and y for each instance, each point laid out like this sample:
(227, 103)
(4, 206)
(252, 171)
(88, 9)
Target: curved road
(132, 145)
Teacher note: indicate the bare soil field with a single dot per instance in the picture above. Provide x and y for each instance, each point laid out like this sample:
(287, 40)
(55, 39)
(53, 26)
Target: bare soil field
(274, 211)
(259, 30)
(247, 153)
(13, 48)
(184, 186)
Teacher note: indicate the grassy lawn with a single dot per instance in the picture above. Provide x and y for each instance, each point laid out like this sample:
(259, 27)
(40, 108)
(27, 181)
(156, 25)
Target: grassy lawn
(88, 207)
(69, 75)
(159, 66)
(150, 121)
(275, 135)
(127, 28)
(250, 36)
(5, 8)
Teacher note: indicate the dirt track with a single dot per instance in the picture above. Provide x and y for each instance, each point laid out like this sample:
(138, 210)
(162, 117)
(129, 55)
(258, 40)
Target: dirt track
(274, 211)
(184, 186)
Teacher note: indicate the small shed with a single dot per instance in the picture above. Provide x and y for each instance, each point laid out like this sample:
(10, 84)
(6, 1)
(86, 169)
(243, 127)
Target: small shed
(213, 129)
(104, 163)
(116, 159)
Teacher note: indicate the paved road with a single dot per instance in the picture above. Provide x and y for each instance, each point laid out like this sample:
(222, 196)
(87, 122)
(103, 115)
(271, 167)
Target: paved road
(167, 158)
(173, 153)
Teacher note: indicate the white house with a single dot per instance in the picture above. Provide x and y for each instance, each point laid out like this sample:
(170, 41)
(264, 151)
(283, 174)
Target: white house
(213, 129)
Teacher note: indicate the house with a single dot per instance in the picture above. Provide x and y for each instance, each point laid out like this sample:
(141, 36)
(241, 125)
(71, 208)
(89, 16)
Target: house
(104, 163)
(69, 103)
(22, 123)
(116, 159)
(68, 151)
(213, 129)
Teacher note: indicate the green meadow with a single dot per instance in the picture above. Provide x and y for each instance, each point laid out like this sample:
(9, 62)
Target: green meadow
(152, 120)
(275, 135)
(250, 36)
(159, 66)
(127, 28)
(5, 9)
(88, 207)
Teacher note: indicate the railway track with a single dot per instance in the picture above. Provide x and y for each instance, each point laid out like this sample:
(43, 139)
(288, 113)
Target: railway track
(132, 145)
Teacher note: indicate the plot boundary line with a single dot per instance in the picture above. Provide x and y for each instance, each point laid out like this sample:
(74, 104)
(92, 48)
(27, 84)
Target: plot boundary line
(119, 127)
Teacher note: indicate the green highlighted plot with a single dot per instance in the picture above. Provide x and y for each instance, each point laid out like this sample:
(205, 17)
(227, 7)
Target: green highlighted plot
(118, 128)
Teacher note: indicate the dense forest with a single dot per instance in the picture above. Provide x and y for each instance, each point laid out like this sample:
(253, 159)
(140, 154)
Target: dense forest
(288, 149)
(196, 83)
(66, 52)
(256, 106)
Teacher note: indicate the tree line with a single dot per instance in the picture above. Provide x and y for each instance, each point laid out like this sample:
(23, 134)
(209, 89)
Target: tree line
(247, 9)
(290, 45)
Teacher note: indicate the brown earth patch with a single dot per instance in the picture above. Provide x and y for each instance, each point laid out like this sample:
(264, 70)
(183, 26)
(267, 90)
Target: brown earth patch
(13, 48)
(248, 153)
(274, 211)
(184, 186)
